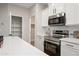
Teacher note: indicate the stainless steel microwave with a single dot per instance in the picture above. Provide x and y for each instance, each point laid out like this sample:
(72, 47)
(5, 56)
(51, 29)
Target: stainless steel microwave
(57, 20)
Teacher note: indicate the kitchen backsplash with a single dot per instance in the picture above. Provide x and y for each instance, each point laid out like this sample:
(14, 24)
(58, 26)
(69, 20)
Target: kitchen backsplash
(70, 28)
(47, 31)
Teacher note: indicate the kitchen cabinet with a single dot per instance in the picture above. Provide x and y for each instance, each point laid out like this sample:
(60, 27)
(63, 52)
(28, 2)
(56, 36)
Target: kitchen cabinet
(45, 16)
(55, 8)
(59, 7)
(69, 49)
(72, 12)
(40, 42)
(51, 9)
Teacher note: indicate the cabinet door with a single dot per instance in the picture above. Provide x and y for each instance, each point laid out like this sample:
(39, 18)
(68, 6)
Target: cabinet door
(72, 14)
(51, 9)
(59, 7)
(55, 8)
(67, 49)
(45, 14)
(40, 43)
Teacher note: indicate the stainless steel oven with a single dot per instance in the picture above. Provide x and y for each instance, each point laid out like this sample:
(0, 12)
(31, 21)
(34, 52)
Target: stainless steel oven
(57, 20)
(52, 43)
(1, 41)
(51, 48)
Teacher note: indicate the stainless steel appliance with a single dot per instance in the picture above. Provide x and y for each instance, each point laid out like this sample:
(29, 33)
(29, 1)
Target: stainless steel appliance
(51, 47)
(57, 20)
(1, 41)
(52, 43)
(60, 34)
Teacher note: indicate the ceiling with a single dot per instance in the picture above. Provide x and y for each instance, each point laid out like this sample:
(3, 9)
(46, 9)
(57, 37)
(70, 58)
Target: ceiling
(25, 5)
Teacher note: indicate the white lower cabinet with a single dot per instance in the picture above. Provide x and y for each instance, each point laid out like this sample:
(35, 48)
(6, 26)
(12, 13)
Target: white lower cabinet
(69, 49)
(40, 42)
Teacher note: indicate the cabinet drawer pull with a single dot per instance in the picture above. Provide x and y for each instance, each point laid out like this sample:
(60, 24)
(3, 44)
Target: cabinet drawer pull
(69, 45)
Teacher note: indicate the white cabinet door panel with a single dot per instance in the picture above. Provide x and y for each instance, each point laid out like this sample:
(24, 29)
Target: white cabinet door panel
(55, 8)
(68, 49)
(72, 13)
(45, 15)
(59, 7)
(51, 9)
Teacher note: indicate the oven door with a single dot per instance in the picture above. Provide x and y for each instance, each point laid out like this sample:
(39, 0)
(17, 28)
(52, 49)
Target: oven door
(51, 49)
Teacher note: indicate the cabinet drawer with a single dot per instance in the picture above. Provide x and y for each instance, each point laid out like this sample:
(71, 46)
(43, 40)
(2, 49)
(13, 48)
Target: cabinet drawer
(71, 45)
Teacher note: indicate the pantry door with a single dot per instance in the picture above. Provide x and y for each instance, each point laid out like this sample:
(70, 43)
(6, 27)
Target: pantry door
(16, 26)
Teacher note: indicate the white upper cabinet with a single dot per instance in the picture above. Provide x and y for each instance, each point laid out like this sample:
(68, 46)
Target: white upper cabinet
(51, 9)
(45, 16)
(72, 12)
(59, 7)
(56, 8)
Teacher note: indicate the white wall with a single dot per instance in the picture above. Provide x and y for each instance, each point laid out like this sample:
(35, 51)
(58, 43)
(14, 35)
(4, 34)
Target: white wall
(24, 13)
(4, 20)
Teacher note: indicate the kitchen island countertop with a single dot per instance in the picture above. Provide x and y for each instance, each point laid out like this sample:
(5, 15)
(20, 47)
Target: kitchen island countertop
(14, 46)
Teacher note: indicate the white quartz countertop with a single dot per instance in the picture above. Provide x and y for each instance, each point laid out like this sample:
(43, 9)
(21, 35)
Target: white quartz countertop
(15, 46)
(71, 40)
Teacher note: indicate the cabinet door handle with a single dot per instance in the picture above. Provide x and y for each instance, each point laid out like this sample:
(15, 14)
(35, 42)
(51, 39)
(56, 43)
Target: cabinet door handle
(69, 45)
